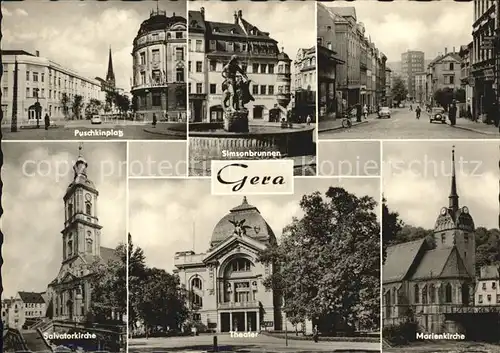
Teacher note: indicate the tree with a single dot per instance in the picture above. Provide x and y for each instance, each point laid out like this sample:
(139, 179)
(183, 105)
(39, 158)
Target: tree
(136, 275)
(327, 266)
(110, 100)
(135, 103)
(391, 226)
(122, 102)
(109, 286)
(92, 108)
(459, 95)
(399, 91)
(444, 97)
(77, 106)
(65, 104)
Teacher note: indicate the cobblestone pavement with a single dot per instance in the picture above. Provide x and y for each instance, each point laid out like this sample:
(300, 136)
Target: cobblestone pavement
(404, 125)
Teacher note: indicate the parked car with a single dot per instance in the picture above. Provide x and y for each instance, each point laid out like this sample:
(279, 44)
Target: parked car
(384, 112)
(96, 119)
(437, 114)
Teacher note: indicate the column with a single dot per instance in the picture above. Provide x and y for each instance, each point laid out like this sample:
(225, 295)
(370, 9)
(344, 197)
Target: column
(258, 321)
(246, 322)
(231, 321)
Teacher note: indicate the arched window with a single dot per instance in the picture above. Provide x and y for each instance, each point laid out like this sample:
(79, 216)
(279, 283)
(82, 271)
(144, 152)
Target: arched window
(196, 283)
(197, 300)
(179, 74)
(425, 295)
(432, 293)
(70, 245)
(88, 208)
(416, 294)
(388, 298)
(89, 245)
(70, 210)
(448, 293)
(241, 265)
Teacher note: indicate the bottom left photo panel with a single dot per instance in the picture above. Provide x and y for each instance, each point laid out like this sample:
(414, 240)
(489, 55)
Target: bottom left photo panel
(64, 250)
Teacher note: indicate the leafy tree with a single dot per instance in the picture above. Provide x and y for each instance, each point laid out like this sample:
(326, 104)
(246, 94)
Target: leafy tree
(487, 247)
(136, 276)
(92, 108)
(459, 95)
(327, 266)
(77, 105)
(391, 226)
(399, 90)
(109, 286)
(135, 103)
(110, 100)
(122, 102)
(65, 104)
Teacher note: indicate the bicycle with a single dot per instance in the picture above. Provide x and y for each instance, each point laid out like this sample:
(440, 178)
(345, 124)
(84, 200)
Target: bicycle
(346, 122)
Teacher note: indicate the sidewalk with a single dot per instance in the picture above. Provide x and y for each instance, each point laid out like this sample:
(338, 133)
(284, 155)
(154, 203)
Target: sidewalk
(329, 125)
(479, 127)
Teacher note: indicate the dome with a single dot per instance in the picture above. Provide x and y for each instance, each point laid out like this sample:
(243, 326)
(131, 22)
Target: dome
(254, 225)
(283, 57)
(159, 21)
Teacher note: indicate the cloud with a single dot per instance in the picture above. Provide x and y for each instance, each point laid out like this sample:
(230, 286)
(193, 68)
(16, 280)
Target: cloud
(35, 179)
(21, 12)
(188, 219)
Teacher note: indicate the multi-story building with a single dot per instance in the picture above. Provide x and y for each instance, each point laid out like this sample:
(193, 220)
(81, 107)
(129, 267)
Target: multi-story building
(420, 87)
(388, 86)
(329, 99)
(412, 62)
(159, 66)
(466, 78)
(226, 282)
(259, 56)
(444, 72)
(380, 78)
(483, 59)
(46, 82)
(69, 293)
(197, 67)
(304, 86)
(25, 309)
(488, 287)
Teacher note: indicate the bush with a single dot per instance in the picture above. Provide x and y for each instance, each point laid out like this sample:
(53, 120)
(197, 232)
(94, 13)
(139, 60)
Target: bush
(401, 334)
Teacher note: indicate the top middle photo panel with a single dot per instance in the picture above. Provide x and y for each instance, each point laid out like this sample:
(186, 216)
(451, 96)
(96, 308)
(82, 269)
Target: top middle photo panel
(407, 70)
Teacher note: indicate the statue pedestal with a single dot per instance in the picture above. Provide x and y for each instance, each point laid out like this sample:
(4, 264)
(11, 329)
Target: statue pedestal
(236, 121)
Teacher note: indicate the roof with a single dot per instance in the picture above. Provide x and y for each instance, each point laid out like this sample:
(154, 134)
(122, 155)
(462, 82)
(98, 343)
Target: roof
(432, 264)
(399, 259)
(31, 297)
(454, 56)
(159, 20)
(108, 254)
(16, 52)
(345, 11)
(196, 21)
(489, 272)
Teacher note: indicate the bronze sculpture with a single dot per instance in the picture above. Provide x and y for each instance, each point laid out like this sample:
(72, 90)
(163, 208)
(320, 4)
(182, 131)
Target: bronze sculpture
(236, 86)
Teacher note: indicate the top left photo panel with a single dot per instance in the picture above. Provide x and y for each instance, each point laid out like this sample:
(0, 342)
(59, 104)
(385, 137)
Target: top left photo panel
(94, 70)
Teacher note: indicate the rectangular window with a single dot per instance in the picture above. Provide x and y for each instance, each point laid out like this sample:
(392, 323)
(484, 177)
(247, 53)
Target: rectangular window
(142, 57)
(5, 91)
(199, 66)
(143, 78)
(270, 69)
(35, 76)
(213, 45)
(263, 89)
(154, 37)
(255, 68)
(189, 66)
(213, 88)
(198, 45)
(489, 297)
(255, 89)
(263, 68)
(27, 92)
(498, 298)
(43, 93)
(50, 93)
(189, 87)
(494, 285)
(179, 74)
(27, 75)
(271, 90)
(452, 67)
(156, 55)
(42, 75)
(178, 35)
(156, 99)
(213, 65)
(179, 54)
(484, 286)
(452, 80)
(199, 88)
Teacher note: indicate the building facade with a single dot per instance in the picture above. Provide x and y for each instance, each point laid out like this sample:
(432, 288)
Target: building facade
(159, 67)
(483, 59)
(412, 62)
(444, 72)
(388, 86)
(466, 78)
(70, 292)
(226, 282)
(420, 87)
(426, 283)
(259, 56)
(487, 289)
(305, 83)
(25, 309)
(44, 81)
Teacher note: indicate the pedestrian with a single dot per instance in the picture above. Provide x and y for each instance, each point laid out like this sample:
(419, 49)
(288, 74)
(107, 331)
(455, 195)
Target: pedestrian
(315, 334)
(365, 111)
(417, 112)
(411, 108)
(452, 113)
(358, 113)
(308, 120)
(47, 121)
(469, 112)
(154, 120)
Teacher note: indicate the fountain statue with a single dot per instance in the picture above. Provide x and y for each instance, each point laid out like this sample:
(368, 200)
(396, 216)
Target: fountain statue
(236, 88)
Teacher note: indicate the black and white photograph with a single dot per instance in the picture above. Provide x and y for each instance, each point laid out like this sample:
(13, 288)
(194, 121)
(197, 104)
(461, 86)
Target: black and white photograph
(64, 252)
(273, 273)
(441, 250)
(408, 70)
(252, 83)
(94, 70)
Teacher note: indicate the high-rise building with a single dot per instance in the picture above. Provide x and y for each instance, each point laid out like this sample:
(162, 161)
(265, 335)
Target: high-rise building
(412, 63)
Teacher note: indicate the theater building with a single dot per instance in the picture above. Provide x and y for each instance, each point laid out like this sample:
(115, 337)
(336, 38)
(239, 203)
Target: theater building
(159, 67)
(226, 281)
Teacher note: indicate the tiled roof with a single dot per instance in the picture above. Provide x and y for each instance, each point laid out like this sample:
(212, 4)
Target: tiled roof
(440, 263)
(344, 11)
(108, 254)
(31, 297)
(399, 259)
(196, 21)
(490, 272)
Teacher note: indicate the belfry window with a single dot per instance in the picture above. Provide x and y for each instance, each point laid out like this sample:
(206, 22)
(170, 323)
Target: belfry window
(448, 293)
(70, 245)
(70, 210)
(424, 295)
(432, 293)
(416, 294)
(88, 208)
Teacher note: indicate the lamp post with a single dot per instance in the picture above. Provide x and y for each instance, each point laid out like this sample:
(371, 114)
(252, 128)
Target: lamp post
(37, 108)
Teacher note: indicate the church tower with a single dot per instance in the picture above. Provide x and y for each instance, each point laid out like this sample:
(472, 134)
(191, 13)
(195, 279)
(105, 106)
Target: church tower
(110, 75)
(81, 233)
(455, 226)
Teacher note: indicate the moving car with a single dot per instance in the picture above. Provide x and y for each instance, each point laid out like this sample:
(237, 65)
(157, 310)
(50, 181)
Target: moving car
(384, 112)
(437, 114)
(96, 119)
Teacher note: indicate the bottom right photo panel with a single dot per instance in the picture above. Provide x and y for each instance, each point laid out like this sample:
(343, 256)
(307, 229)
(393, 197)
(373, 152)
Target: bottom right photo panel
(441, 247)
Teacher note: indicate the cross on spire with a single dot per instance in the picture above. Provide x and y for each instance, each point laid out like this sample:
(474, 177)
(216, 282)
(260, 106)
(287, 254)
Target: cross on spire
(453, 198)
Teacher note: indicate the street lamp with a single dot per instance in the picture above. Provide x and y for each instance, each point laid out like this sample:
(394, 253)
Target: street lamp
(37, 107)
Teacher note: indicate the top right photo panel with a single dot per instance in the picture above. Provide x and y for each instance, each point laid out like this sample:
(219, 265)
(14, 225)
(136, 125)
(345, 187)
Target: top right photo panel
(408, 70)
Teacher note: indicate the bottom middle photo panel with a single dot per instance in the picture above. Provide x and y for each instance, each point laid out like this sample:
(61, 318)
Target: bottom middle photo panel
(254, 273)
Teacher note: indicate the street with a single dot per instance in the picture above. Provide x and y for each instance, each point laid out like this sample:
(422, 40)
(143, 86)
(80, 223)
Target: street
(260, 343)
(404, 125)
(108, 131)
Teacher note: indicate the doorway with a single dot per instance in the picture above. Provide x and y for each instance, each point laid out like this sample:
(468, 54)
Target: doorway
(225, 322)
(239, 322)
(252, 321)
(198, 110)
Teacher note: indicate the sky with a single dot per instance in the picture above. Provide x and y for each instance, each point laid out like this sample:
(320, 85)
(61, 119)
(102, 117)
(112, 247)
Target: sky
(291, 23)
(349, 158)
(417, 178)
(35, 177)
(430, 26)
(78, 35)
(157, 159)
(164, 213)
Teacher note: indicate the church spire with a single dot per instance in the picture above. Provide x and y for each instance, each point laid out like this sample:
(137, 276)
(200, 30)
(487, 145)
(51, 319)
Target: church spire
(110, 76)
(80, 167)
(453, 198)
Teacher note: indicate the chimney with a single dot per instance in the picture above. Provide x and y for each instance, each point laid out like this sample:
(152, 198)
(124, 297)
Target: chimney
(445, 51)
(235, 18)
(202, 10)
(37, 53)
(173, 14)
(240, 14)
